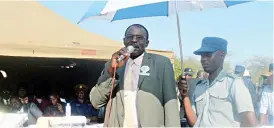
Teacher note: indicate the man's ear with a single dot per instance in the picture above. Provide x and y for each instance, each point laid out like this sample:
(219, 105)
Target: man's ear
(124, 41)
(147, 42)
(222, 55)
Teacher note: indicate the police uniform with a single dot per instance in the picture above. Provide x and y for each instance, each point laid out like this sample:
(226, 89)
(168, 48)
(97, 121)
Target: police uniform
(219, 103)
(82, 109)
(239, 69)
(242, 72)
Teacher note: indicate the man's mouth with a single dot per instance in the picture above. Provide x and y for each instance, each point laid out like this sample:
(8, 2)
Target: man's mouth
(205, 65)
(135, 47)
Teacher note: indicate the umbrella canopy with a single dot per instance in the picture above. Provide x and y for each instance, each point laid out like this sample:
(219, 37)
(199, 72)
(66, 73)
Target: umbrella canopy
(118, 9)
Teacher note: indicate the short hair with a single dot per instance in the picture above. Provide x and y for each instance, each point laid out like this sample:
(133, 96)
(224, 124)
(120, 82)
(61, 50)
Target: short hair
(38, 94)
(22, 86)
(138, 26)
(53, 94)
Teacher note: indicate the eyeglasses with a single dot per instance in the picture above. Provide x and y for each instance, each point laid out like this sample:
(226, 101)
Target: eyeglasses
(131, 37)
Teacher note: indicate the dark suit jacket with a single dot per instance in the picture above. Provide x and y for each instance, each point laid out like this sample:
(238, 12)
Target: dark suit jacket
(157, 104)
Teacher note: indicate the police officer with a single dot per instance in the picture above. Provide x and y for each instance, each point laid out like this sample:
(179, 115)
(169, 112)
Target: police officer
(82, 107)
(222, 99)
(242, 72)
(267, 101)
(239, 70)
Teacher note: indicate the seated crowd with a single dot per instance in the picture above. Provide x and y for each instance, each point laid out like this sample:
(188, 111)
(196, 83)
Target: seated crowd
(49, 106)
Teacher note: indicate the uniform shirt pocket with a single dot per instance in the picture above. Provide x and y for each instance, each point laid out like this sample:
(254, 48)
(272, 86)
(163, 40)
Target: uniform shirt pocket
(199, 101)
(199, 95)
(218, 99)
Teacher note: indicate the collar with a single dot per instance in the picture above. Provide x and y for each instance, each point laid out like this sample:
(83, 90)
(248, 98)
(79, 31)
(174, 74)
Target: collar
(138, 60)
(221, 75)
(63, 100)
(6, 102)
(219, 78)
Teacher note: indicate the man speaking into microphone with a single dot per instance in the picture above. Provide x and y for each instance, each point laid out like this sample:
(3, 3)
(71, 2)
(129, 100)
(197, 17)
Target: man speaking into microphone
(144, 92)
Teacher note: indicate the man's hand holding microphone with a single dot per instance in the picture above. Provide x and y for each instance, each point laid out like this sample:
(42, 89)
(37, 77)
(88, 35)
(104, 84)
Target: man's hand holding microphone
(119, 58)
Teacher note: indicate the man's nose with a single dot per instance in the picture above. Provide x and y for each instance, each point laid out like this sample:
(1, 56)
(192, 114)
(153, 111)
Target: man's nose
(203, 59)
(134, 39)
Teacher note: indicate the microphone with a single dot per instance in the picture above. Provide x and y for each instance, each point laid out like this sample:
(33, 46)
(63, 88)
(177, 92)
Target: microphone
(129, 50)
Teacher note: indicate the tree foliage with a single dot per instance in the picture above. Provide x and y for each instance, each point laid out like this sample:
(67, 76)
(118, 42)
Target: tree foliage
(257, 66)
(193, 63)
(190, 62)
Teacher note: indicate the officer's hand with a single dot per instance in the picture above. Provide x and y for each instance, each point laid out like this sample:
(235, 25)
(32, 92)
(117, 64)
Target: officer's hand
(183, 86)
(114, 58)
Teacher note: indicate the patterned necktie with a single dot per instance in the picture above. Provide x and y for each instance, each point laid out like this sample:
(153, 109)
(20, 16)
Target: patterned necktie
(130, 119)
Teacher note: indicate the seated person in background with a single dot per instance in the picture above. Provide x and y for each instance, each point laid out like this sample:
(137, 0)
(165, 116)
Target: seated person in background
(56, 107)
(5, 95)
(82, 107)
(40, 101)
(30, 108)
(22, 94)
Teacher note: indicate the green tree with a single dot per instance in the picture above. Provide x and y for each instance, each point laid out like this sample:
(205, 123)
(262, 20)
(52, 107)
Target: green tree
(193, 63)
(190, 62)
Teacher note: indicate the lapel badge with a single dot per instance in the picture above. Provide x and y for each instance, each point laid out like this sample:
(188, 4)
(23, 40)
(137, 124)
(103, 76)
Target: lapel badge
(144, 71)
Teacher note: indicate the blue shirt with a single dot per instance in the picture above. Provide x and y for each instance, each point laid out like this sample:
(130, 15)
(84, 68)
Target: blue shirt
(85, 109)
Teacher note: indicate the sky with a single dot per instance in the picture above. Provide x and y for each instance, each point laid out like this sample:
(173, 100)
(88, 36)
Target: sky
(248, 28)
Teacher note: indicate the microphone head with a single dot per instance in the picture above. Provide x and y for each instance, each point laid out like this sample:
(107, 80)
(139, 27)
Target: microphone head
(130, 49)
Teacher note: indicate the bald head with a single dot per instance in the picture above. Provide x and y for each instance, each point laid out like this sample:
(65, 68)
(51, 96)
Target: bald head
(136, 35)
(138, 26)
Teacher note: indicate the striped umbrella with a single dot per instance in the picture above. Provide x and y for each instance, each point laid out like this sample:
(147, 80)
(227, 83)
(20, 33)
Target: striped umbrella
(113, 10)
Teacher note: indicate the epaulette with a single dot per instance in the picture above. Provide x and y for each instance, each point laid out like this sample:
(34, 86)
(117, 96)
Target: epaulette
(233, 76)
(199, 82)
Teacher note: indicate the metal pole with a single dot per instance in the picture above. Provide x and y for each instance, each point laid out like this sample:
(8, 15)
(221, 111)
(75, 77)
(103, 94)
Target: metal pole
(179, 37)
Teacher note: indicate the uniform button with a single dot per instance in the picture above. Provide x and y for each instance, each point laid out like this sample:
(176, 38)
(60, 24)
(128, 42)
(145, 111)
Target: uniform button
(122, 115)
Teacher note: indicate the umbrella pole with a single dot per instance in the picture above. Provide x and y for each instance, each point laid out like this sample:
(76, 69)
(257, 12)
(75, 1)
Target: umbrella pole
(179, 37)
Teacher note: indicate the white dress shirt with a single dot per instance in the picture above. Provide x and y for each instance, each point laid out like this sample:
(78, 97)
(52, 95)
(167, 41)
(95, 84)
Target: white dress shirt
(132, 72)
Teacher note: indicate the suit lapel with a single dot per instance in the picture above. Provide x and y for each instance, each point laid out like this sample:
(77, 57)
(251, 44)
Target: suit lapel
(146, 62)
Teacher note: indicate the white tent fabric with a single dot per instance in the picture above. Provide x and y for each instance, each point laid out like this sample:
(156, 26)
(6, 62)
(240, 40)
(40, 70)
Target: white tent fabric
(30, 29)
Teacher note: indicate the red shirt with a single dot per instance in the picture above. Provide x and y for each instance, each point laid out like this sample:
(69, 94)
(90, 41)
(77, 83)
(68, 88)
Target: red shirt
(43, 104)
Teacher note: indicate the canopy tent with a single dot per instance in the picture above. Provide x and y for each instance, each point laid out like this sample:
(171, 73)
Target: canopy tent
(30, 29)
